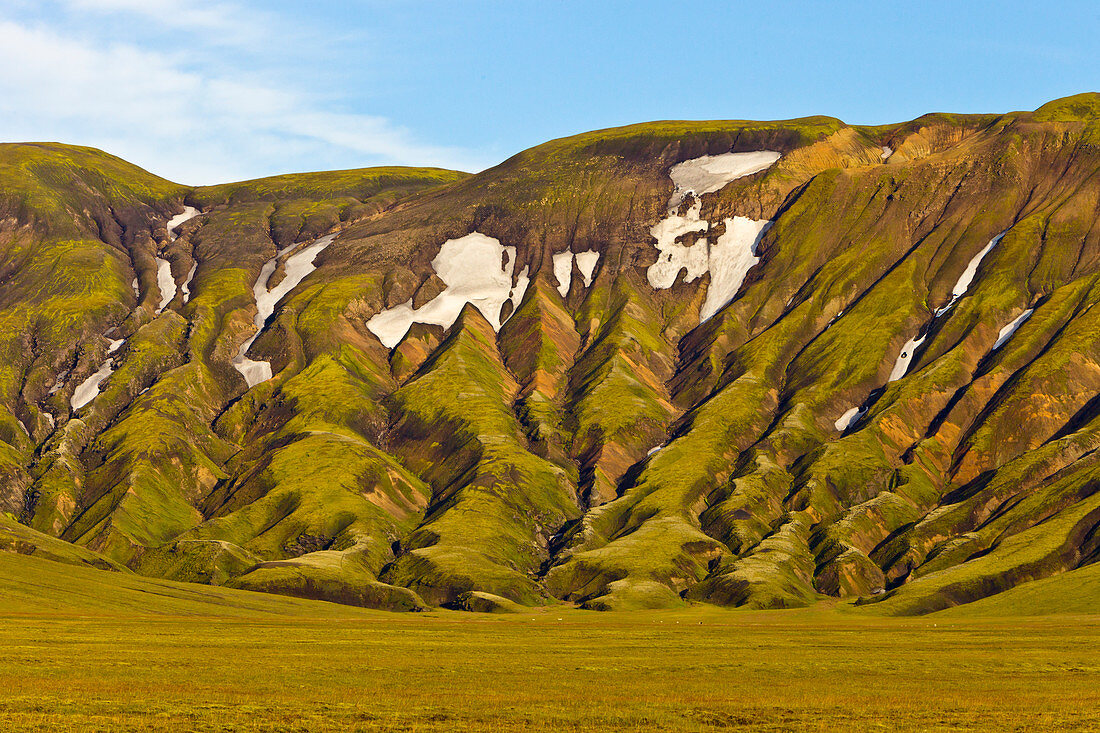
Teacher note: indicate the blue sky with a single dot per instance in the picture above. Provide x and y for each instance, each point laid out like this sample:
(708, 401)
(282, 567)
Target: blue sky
(203, 92)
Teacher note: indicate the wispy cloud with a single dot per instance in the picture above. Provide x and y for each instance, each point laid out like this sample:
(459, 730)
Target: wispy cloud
(221, 23)
(183, 111)
(170, 12)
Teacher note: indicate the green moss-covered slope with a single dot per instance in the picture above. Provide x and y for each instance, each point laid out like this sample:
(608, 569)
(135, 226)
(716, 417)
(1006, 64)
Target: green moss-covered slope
(603, 447)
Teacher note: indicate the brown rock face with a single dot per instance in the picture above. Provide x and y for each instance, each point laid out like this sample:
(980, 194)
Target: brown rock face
(432, 287)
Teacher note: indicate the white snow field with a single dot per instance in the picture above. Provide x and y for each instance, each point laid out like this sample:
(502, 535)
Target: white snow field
(254, 372)
(586, 263)
(563, 268)
(476, 269)
(563, 271)
(189, 213)
(905, 358)
(185, 286)
(675, 256)
(516, 294)
(165, 282)
(733, 255)
(1006, 332)
(710, 173)
(297, 267)
(731, 258)
(848, 419)
(88, 390)
(967, 277)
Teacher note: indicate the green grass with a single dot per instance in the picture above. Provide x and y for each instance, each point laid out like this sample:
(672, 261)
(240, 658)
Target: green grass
(1074, 592)
(631, 139)
(83, 649)
(359, 183)
(458, 433)
(53, 181)
(23, 540)
(1079, 107)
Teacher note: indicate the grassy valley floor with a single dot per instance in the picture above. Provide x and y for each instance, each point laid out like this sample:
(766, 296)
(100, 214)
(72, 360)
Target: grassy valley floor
(86, 649)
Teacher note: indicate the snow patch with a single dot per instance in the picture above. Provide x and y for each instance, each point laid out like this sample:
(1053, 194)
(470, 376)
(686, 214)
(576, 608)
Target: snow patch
(297, 267)
(189, 212)
(563, 271)
(165, 282)
(901, 365)
(905, 358)
(728, 261)
(675, 256)
(731, 258)
(137, 290)
(887, 151)
(733, 254)
(1006, 332)
(967, 277)
(254, 372)
(87, 390)
(654, 449)
(563, 268)
(971, 270)
(850, 417)
(710, 173)
(476, 269)
(185, 287)
(586, 263)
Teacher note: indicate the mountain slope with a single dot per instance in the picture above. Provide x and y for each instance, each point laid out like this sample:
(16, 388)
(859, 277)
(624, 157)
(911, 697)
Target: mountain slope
(736, 362)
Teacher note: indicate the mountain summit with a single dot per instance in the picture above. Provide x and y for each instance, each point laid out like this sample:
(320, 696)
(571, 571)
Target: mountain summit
(743, 363)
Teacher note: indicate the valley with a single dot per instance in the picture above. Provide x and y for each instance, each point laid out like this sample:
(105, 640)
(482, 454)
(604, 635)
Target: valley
(86, 648)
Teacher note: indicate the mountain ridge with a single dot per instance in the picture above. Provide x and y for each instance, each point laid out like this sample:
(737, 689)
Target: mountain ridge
(840, 423)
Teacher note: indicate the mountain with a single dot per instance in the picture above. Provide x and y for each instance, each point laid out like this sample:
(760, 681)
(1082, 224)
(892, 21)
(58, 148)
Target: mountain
(743, 363)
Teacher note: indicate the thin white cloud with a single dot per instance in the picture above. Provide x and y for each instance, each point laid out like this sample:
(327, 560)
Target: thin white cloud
(221, 22)
(180, 120)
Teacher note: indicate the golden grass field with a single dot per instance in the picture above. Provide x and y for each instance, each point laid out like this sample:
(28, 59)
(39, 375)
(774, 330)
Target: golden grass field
(83, 649)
